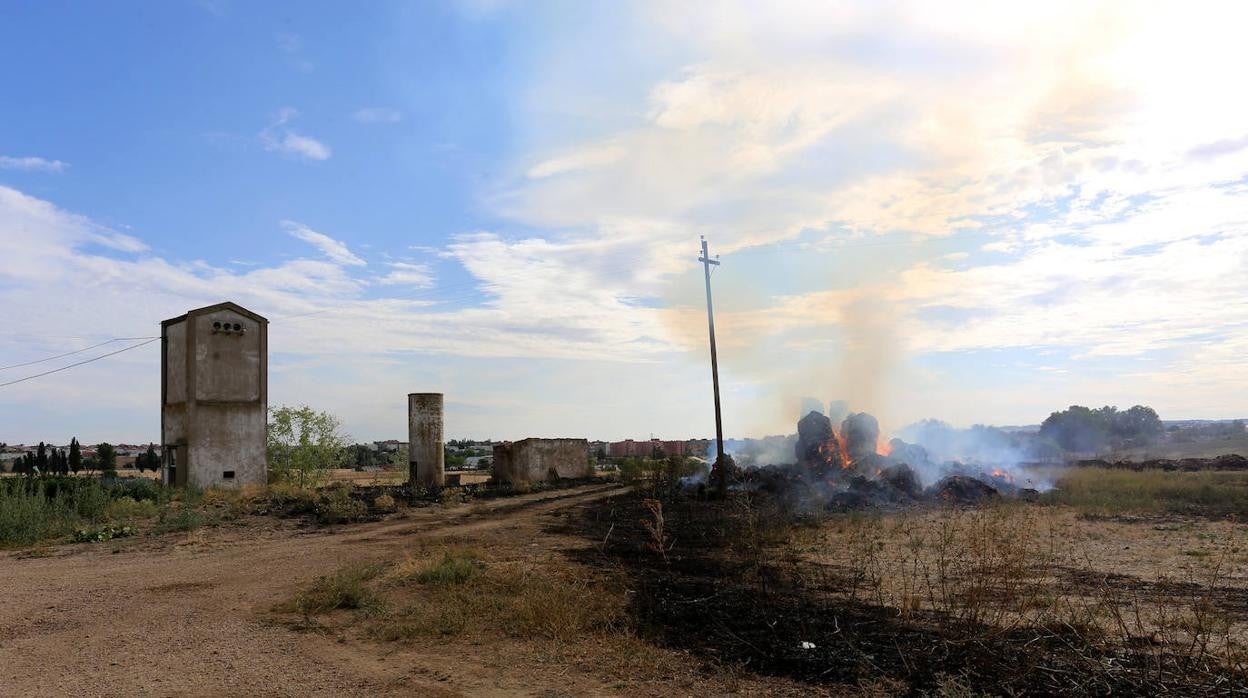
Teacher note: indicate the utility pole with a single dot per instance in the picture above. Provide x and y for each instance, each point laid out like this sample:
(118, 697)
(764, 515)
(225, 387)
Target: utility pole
(720, 470)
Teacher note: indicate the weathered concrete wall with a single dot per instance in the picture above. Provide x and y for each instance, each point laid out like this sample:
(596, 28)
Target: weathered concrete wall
(539, 460)
(227, 362)
(214, 412)
(426, 457)
(231, 438)
(175, 363)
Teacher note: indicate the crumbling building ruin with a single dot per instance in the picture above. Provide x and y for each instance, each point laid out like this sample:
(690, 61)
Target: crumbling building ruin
(541, 460)
(426, 453)
(214, 369)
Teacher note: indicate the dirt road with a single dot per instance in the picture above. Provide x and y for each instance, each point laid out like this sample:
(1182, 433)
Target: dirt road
(190, 614)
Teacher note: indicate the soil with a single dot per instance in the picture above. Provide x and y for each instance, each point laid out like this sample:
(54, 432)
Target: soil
(726, 603)
(190, 614)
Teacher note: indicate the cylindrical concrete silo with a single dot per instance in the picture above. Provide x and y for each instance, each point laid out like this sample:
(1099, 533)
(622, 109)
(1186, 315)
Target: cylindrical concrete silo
(426, 459)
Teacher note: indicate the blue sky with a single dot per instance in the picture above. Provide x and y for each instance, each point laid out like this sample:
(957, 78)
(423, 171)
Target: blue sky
(979, 214)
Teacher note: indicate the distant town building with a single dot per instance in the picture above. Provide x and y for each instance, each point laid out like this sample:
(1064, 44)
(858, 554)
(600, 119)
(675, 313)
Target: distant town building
(389, 445)
(653, 448)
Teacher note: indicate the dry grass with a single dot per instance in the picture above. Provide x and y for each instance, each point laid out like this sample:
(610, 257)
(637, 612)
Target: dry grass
(947, 601)
(1106, 492)
(347, 588)
(1007, 568)
(457, 591)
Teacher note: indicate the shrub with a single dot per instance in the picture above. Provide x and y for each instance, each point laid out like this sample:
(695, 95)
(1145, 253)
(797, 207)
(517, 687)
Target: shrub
(384, 502)
(455, 567)
(336, 505)
(127, 508)
(91, 503)
(560, 607)
(180, 519)
(344, 589)
(288, 499)
(100, 535)
(27, 518)
(140, 489)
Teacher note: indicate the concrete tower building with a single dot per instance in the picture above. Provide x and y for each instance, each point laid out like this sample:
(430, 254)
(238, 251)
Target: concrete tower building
(426, 456)
(214, 376)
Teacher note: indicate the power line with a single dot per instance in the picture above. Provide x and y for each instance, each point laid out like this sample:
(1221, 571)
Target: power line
(76, 351)
(80, 363)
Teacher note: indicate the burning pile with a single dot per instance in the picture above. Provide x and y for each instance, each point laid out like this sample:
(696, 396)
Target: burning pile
(850, 466)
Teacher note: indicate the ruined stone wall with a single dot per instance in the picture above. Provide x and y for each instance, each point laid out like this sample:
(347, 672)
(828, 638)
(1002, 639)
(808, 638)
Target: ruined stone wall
(541, 460)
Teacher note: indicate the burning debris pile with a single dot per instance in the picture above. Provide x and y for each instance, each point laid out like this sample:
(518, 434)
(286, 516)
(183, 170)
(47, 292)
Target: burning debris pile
(849, 466)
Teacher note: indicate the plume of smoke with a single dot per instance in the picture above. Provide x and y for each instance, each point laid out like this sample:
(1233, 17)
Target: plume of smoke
(758, 453)
(980, 448)
(810, 404)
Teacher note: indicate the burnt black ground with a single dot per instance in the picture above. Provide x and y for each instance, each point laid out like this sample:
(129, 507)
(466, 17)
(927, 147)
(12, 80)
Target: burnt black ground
(726, 594)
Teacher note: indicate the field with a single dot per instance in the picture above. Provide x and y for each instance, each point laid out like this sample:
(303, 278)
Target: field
(1205, 447)
(1116, 582)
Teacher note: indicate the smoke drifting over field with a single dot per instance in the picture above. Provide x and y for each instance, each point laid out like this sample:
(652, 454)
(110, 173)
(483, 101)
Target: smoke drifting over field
(837, 439)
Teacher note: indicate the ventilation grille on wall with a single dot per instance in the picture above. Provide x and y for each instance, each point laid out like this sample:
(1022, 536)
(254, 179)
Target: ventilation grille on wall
(227, 327)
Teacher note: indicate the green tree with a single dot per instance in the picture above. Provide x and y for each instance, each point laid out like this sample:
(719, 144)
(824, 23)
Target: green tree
(106, 456)
(399, 459)
(1139, 425)
(41, 457)
(75, 455)
(150, 460)
(303, 445)
(1078, 428)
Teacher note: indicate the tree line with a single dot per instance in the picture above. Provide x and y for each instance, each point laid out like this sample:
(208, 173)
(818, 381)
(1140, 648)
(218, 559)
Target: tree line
(1084, 430)
(46, 459)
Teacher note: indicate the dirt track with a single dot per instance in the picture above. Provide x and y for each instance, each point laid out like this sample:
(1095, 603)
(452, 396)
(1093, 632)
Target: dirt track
(189, 614)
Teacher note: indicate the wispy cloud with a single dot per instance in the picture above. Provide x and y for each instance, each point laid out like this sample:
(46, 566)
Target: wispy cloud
(291, 46)
(280, 138)
(335, 250)
(377, 115)
(407, 274)
(35, 164)
(582, 159)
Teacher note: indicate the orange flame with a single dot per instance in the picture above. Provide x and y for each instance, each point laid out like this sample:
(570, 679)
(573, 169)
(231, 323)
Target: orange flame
(1002, 475)
(882, 446)
(841, 446)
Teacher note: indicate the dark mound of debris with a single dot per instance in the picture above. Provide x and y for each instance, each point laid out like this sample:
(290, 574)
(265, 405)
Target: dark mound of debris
(902, 478)
(961, 489)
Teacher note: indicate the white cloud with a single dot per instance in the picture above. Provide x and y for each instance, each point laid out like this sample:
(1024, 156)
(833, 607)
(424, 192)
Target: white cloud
(278, 137)
(1097, 170)
(407, 274)
(335, 250)
(377, 115)
(31, 164)
(593, 156)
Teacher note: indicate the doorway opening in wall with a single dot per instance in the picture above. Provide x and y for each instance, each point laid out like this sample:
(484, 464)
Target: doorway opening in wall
(227, 475)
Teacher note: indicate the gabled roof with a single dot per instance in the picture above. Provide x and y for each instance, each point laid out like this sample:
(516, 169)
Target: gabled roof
(227, 305)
